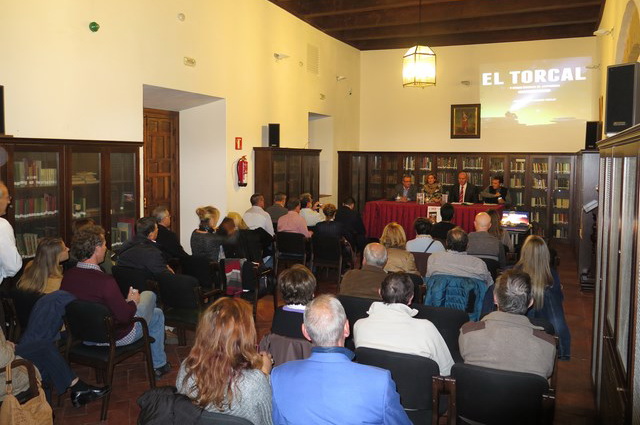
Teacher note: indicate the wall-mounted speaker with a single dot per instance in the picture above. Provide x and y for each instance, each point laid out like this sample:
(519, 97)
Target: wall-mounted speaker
(274, 135)
(593, 134)
(623, 94)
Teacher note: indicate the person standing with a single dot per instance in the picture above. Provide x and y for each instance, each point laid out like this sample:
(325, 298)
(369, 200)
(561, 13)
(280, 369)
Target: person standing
(10, 260)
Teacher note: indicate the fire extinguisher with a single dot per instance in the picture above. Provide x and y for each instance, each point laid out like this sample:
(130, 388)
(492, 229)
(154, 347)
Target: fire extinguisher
(242, 168)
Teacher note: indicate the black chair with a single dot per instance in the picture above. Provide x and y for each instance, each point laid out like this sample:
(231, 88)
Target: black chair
(182, 302)
(448, 321)
(18, 305)
(490, 396)
(421, 259)
(89, 321)
(202, 268)
(327, 252)
(412, 375)
(355, 308)
(493, 266)
(290, 248)
(251, 276)
(140, 279)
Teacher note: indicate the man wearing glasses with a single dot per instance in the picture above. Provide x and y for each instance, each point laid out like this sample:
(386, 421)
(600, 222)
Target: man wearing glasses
(10, 260)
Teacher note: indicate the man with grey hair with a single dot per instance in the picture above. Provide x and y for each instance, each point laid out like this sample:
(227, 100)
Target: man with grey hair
(365, 283)
(10, 260)
(167, 240)
(506, 339)
(256, 216)
(328, 388)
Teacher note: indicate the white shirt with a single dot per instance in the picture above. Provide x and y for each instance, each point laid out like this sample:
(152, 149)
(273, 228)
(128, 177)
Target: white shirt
(422, 242)
(311, 217)
(10, 260)
(256, 217)
(391, 327)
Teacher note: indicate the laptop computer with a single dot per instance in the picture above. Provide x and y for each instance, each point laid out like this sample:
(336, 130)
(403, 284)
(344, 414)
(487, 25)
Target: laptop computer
(515, 221)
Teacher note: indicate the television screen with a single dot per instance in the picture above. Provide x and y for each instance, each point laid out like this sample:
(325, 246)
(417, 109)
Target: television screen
(519, 219)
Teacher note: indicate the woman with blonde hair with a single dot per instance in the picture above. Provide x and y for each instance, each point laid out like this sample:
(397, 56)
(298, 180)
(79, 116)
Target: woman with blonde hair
(546, 290)
(398, 258)
(44, 273)
(204, 240)
(223, 371)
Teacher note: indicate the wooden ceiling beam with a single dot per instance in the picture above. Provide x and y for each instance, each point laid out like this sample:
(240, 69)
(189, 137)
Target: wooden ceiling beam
(319, 9)
(486, 24)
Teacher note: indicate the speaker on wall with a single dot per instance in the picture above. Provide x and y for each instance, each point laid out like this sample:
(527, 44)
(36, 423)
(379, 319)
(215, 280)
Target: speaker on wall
(274, 135)
(593, 134)
(623, 95)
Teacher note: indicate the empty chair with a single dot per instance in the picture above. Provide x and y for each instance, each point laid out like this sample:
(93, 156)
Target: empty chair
(290, 248)
(253, 281)
(497, 397)
(328, 252)
(140, 279)
(18, 306)
(412, 375)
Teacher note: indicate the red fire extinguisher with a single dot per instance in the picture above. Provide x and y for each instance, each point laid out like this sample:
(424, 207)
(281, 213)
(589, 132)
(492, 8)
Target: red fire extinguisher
(242, 169)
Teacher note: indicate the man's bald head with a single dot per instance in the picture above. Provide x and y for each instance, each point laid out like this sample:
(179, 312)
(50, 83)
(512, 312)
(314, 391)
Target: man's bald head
(375, 254)
(482, 222)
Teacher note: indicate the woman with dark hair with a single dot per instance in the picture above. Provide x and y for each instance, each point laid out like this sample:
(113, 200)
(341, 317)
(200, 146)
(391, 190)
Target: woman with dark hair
(432, 189)
(297, 285)
(223, 371)
(497, 231)
(44, 273)
(546, 290)
(205, 242)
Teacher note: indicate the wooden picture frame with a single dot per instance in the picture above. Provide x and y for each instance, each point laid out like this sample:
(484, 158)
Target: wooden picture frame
(465, 121)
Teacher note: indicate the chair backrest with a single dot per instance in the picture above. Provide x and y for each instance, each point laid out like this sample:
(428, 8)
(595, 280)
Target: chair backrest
(421, 259)
(457, 292)
(202, 268)
(128, 276)
(412, 375)
(23, 301)
(290, 243)
(492, 266)
(89, 321)
(284, 348)
(448, 321)
(499, 397)
(179, 291)
(355, 308)
(326, 248)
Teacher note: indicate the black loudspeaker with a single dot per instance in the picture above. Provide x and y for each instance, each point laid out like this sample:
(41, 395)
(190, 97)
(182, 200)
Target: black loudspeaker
(594, 132)
(274, 135)
(1, 110)
(623, 94)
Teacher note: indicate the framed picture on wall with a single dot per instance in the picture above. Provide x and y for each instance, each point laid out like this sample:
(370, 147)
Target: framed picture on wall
(465, 121)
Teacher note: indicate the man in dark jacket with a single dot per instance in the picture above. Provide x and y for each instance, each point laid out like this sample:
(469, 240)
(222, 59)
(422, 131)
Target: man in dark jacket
(142, 252)
(167, 240)
(352, 222)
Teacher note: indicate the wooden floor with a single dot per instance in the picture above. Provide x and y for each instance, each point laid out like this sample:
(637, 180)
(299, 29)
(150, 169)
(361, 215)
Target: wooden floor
(574, 403)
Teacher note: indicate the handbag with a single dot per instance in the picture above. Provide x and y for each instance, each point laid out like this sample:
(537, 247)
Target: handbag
(35, 411)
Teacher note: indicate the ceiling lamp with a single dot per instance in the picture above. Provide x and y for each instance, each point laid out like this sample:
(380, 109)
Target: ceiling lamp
(419, 63)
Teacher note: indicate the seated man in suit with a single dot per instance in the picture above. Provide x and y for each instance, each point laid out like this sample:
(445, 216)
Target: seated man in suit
(506, 339)
(365, 283)
(405, 191)
(328, 387)
(352, 221)
(463, 191)
(142, 252)
(495, 193)
(167, 240)
(391, 326)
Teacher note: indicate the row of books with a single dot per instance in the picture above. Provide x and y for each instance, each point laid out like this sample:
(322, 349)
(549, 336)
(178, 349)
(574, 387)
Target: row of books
(516, 181)
(29, 172)
(561, 233)
(560, 218)
(27, 244)
(563, 167)
(538, 217)
(561, 203)
(517, 166)
(473, 163)
(447, 162)
(36, 207)
(539, 201)
(84, 177)
(516, 197)
(445, 178)
(539, 183)
(540, 167)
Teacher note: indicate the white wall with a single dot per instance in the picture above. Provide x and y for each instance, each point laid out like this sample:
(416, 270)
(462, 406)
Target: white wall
(321, 137)
(397, 118)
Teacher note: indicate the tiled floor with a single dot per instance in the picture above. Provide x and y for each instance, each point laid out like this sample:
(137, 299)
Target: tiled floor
(574, 403)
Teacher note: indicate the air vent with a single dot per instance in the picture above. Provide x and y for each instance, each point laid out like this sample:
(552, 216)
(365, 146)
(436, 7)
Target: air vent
(313, 59)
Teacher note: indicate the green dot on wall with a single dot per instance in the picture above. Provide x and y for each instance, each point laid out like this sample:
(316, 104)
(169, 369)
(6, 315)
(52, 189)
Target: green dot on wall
(94, 26)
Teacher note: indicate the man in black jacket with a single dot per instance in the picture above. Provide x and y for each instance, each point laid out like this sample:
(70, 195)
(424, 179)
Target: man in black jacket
(167, 240)
(352, 222)
(142, 252)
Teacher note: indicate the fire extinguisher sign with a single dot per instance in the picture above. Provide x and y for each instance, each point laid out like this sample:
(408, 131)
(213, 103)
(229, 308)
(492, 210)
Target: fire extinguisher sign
(238, 143)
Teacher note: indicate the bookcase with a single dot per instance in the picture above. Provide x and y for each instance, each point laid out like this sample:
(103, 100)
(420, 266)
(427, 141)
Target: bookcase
(54, 182)
(540, 183)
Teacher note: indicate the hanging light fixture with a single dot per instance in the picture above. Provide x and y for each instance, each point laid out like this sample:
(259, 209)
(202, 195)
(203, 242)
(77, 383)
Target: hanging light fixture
(419, 63)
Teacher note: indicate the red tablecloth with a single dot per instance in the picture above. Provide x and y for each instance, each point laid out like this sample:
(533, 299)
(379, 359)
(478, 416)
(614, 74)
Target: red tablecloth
(378, 214)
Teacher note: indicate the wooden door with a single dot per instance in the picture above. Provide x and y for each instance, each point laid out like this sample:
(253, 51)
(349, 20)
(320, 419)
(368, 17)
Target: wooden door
(161, 169)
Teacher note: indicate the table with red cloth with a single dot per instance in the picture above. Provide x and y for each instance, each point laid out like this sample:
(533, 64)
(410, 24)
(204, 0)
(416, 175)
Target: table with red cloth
(378, 214)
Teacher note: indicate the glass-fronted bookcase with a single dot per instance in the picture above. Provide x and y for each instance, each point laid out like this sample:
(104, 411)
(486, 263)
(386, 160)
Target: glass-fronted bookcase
(54, 182)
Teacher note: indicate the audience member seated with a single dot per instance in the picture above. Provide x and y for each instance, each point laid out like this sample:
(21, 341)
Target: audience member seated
(398, 258)
(391, 326)
(495, 193)
(455, 261)
(297, 286)
(167, 240)
(240, 241)
(223, 371)
(256, 217)
(292, 221)
(142, 252)
(352, 221)
(205, 242)
(497, 230)
(432, 189)
(439, 230)
(310, 211)
(405, 191)
(333, 228)
(53, 367)
(328, 387)
(483, 244)
(43, 274)
(506, 339)
(87, 282)
(77, 225)
(278, 208)
(365, 282)
(463, 191)
(547, 290)
(423, 241)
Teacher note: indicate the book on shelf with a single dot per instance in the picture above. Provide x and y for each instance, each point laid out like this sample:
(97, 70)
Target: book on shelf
(562, 203)
(29, 172)
(35, 207)
(27, 244)
(540, 167)
(563, 167)
(84, 177)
